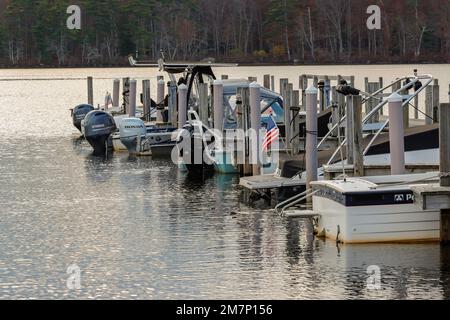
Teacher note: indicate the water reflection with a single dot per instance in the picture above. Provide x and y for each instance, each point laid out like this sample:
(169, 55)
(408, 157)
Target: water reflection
(141, 229)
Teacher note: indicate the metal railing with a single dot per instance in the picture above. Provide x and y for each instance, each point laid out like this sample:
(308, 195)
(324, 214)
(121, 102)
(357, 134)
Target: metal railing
(376, 109)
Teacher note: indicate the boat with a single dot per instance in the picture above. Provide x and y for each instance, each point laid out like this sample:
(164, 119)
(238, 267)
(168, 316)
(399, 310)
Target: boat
(374, 209)
(139, 138)
(97, 128)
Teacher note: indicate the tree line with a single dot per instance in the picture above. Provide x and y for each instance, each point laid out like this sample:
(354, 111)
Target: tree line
(34, 32)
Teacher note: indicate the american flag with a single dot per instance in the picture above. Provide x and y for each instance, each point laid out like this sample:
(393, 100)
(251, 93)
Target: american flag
(271, 135)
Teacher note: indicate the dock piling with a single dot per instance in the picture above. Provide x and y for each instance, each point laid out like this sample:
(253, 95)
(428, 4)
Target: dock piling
(90, 90)
(396, 134)
(182, 105)
(132, 107)
(126, 94)
(203, 103)
(357, 136)
(160, 100)
(255, 116)
(349, 130)
(284, 83)
(295, 128)
(172, 104)
(116, 90)
(267, 81)
(444, 154)
(146, 97)
(218, 105)
(311, 135)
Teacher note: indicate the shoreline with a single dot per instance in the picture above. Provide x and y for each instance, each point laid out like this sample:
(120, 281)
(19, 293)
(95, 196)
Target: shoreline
(3, 67)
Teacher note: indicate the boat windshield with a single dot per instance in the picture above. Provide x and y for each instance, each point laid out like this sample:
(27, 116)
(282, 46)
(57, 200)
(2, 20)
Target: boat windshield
(269, 106)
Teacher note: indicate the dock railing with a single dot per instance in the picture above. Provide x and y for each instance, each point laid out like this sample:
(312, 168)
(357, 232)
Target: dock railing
(412, 81)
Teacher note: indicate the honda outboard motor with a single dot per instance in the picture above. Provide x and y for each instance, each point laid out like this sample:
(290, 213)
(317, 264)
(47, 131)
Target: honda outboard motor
(79, 113)
(130, 129)
(97, 128)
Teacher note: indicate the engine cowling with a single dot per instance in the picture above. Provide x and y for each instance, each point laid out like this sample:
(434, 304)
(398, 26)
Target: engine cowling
(130, 129)
(79, 113)
(97, 128)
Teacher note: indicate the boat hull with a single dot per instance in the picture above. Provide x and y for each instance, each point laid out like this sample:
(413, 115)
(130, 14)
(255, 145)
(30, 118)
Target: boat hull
(375, 223)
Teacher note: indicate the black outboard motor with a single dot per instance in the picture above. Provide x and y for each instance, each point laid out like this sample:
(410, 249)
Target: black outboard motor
(79, 113)
(191, 146)
(97, 128)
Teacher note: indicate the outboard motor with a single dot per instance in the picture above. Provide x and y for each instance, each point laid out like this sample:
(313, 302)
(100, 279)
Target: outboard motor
(191, 146)
(97, 128)
(130, 129)
(79, 113)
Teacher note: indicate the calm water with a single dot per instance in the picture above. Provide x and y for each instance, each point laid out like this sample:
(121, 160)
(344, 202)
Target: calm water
(139, 229)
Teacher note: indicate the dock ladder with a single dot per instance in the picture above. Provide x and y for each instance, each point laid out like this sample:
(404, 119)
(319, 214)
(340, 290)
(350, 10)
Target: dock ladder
(301, 211)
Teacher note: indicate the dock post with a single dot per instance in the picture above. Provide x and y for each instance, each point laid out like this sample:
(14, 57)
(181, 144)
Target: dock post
(349, 130)
(436, 101)
(429, 104)
(243, 120)
(126, 94)
(267, 81)
(321, 87)
(396, 134)
(303, 85)
(356, 135)
(218, 105)
(335, 117)
(295, 128)
(172, 104)
(444, 154)
(90, 90)
(132, 107)
(284, 83)
(182, 105)
(203, 103)
(116, 90)
(327, 91)
(160, 100)
(381, 84)
(255, 116)
(311, 136)
(372, 87)
(147, 100)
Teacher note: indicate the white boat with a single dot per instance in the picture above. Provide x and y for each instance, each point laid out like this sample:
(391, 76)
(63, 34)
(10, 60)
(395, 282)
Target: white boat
(374, 209)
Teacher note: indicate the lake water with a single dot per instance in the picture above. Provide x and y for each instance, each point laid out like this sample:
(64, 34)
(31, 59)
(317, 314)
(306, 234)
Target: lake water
(139, 229)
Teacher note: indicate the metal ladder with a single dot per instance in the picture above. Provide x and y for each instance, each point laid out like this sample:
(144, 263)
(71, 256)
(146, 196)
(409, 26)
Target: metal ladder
(291, 202)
